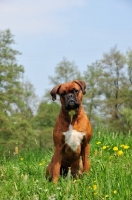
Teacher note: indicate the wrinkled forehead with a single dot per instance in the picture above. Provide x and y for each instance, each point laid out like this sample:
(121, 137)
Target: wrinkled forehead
(67, 87)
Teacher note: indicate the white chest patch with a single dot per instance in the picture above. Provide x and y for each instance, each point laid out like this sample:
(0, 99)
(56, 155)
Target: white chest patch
(73, 138)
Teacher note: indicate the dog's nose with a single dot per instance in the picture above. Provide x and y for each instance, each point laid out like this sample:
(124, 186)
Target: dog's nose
(70, 95)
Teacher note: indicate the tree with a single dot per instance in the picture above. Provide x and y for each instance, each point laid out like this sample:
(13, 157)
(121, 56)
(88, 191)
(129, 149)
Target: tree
(114, 85)
(92, 99)
(64, 72)
(14, 128)
(10, 74)
(129, 63)
(126, 111)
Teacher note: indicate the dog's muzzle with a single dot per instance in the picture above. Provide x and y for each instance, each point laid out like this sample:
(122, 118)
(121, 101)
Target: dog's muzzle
(71, 103)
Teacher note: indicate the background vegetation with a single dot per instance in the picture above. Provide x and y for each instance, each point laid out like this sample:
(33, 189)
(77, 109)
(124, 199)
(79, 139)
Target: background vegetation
(26, 121)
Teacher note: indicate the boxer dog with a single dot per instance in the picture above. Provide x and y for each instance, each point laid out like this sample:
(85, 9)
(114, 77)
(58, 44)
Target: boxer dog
(72, 133)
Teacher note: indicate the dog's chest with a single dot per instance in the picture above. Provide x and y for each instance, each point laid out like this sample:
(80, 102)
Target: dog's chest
(73, 138)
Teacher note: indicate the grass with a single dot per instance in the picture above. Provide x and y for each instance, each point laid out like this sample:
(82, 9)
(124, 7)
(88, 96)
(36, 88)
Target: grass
(22, 176)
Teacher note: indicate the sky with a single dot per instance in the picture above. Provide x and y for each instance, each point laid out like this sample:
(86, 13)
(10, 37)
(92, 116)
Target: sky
(80, 30)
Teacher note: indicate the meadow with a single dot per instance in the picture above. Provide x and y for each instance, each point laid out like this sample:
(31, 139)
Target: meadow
(22, 175)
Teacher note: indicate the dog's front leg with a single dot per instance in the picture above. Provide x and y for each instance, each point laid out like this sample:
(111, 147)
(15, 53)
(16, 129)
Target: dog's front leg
(85, 157)
(57, 163)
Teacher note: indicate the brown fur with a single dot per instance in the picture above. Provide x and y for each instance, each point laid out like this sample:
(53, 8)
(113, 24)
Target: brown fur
(64, 156)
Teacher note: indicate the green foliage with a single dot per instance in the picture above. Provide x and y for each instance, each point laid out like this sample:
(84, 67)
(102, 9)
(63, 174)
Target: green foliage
(30, 100)
(22, 176)
(109, 90)
(46, 115)
(114, 79)
(126, 114)
(93, 77)
(6, 128)
(10, 73)
(14, 128)
(129, 63)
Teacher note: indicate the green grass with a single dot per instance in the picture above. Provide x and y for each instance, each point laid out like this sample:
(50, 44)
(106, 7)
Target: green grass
(22, 176)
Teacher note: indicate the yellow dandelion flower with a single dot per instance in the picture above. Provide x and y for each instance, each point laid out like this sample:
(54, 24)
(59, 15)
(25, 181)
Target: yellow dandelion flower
(42, 163)
(98, 143)
(126, 147)
(115, 148)
(120, 153)
(95, 187)
(115, 192)
(104, 147)
(106, 196)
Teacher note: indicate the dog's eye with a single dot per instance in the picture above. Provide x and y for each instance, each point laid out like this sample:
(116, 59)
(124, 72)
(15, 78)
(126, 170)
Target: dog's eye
(76, 91)
(63, 94)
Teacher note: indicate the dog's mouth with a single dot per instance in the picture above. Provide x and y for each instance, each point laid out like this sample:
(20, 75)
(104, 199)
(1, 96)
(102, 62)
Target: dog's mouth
(72, 105)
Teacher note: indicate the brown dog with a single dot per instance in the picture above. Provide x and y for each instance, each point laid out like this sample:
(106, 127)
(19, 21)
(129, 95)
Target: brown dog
(72, 132)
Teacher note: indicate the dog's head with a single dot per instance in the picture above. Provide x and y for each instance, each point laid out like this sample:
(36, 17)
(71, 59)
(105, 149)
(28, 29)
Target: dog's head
(70, 94)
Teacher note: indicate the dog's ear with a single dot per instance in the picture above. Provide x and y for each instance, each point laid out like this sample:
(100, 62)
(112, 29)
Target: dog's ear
(82, 84)
(54, 91)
